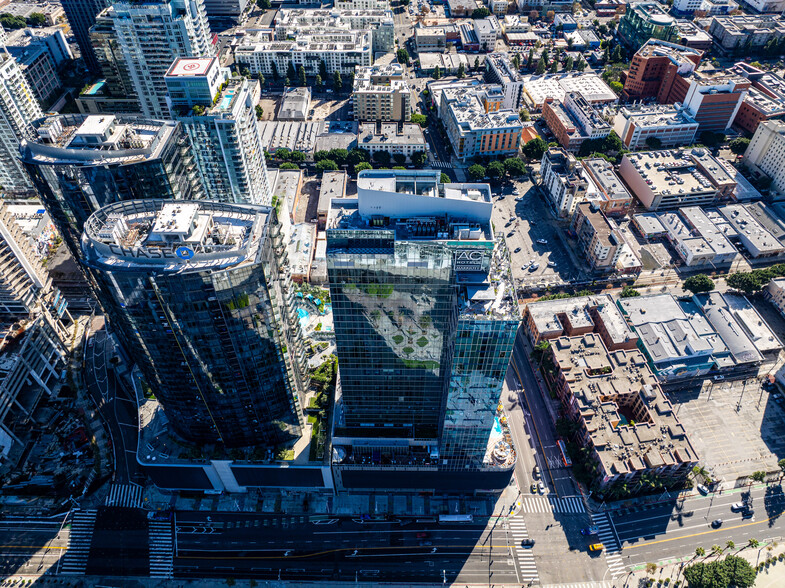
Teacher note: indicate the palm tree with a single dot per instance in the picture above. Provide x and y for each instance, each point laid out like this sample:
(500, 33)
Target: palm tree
(753, 543)
(700, 552)
(730, 544)
(716, 550)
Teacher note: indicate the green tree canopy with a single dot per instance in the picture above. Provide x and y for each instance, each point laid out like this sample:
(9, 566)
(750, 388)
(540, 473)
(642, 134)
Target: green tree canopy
(326, 165)
(403, 56)
(514, 166)
(481, 13)
(437, 73)
(419, 158)
(382, 157)
(361, 166)
(629, 292)
(495, 170)
(339, 156)
(36, 19)
(358, 155)
(653, 142)
(419, 119)
(476, 172)
(699, 283)
(337, 81)
(739, 145)
(323, 69)
(264, 4)
(445, 179)
(399, 158)
(461, 72)
(617, 87)
(301, 76)
(535, 148)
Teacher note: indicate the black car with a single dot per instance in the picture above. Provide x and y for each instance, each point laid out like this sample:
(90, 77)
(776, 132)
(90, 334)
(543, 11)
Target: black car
(717, 523)
(527, 543)
(747, 513)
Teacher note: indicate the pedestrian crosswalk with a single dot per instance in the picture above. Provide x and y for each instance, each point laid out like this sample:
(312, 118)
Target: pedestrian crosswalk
(572, 504)
(441, 164)
(128, 495)
(79, 540)
(161, 549)
(612, 547)
(525, 556)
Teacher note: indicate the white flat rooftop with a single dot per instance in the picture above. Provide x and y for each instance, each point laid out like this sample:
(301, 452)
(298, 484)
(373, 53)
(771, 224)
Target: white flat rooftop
(190, 66)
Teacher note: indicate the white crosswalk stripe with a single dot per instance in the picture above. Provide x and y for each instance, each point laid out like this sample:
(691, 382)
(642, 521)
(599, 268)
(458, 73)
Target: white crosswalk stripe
(612, 548)
(161, 549)
(441, 164)
(79, 539)
(571, 505)
(128, 495)
(525, 556)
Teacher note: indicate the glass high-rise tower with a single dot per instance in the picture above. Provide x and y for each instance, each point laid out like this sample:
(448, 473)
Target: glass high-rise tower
(79, 164)
(425, 320)
(200, 299)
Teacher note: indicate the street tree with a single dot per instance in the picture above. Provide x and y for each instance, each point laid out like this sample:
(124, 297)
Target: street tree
(535, 148)
(382, 158)
(419, 158)
(476, 172)
(301, 76)
(514, 166)
(437, 73)
(403, 56)
(699, 283)
(495, 170)
(323, 69)
(568, 63)
(739, 145)
(337, 81)
(461, 72)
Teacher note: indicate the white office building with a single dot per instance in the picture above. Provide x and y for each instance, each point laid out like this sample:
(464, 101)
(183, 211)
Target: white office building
(291, 23)
(766, 152)
(151, 36)
(225, 137)
(19, 109)
(340, 51)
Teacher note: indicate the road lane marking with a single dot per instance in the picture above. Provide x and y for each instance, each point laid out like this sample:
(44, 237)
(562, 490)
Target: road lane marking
(697, 534)
(504, 549)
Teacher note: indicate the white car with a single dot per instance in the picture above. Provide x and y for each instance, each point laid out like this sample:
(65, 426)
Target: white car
(534, 267)
(541, 487)
(519, 198)
(737, 506)
(551, 264)
(542, 241)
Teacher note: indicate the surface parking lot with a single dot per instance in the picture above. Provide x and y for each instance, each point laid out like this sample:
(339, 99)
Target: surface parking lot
(524, 219)
(736, 428)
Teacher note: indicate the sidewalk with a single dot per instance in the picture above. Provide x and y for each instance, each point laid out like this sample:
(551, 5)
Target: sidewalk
(769, 576)
(300, 502)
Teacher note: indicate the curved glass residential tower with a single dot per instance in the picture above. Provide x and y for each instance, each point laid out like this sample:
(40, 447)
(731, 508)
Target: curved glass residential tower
(199, 296)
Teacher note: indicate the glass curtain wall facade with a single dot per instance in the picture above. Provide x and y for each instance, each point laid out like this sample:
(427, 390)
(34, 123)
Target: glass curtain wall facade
(220, 348)
(483, 349)
(395, 307)
(73, 184)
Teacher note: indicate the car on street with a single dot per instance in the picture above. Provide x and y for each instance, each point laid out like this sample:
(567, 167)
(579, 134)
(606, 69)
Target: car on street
(517, 250)
(527, 543)
(536, 472)
(716, 523)
(534, 267)
(533, 488)
(541, 487)
(523, 267)
(542, 241)
(511, 233)
(551, 264)
(593, 530)
(737, 506)
(596, 547)
(519, 199)
(702, 489)
(747, 513)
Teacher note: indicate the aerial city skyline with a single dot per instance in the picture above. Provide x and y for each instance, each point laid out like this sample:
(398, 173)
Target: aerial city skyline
(422, 292)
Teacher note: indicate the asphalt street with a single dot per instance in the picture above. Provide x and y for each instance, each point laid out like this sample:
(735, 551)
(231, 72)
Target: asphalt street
(673, 529)
(31, 546)
(272, 546)
(528, 406)
(114, 403)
